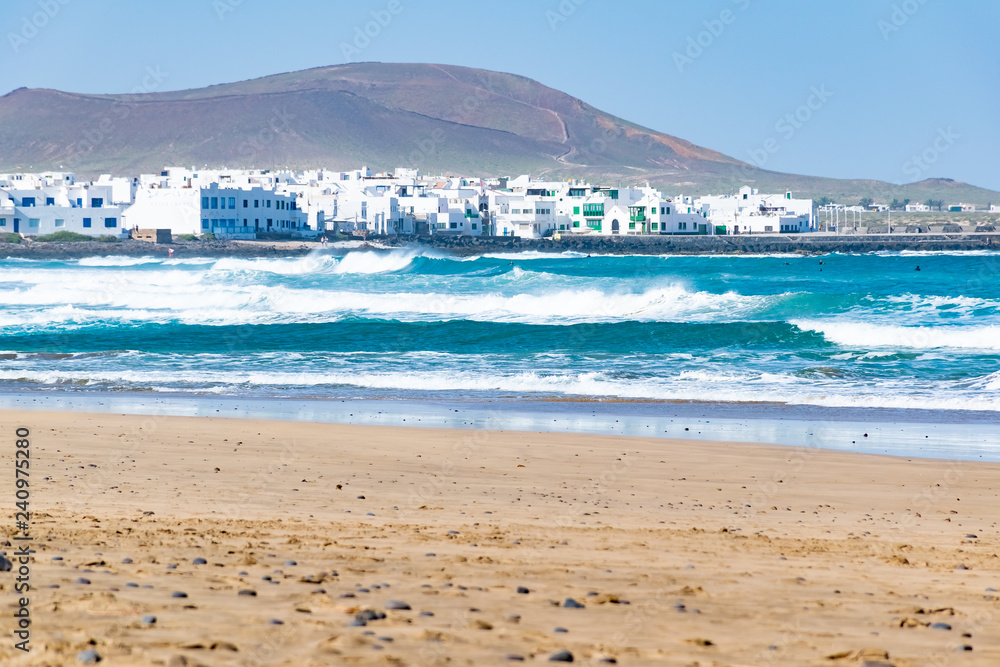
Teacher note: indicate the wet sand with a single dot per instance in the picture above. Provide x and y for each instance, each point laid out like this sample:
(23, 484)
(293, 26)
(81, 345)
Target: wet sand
(680, 552)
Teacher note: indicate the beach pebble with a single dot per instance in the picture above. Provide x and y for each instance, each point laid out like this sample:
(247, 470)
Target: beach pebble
(964, 647)
(131, 584)
(427, 613)
(199, 561)
(961, 567)
(171, 566)
(513, 657)
(940, 626)
(570, 603)
(57, 558)
(88, 657)
(275, 621)
(560, 630)
(248, 591)
(512, 618)
(356, 623)
(290, 563)
(6, 565)
(348, 595)
(370, 615)
(397, 604)
(430, 555)
(127, 561)
(561, 656)
(178, 594)
(149, 620)
(83, 580)
(607, 659)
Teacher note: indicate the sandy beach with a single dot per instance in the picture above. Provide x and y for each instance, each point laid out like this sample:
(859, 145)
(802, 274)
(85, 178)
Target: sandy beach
(279, 543)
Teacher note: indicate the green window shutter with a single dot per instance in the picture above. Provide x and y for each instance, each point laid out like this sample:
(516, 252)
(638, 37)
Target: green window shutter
(576, 210)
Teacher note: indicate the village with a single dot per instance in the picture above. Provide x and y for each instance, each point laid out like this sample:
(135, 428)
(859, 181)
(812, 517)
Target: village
(250, 204)
(246, 204)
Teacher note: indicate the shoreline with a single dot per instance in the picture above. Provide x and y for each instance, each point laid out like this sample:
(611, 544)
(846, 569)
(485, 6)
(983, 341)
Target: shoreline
(901, 432)
(805, 244)
(677, 551)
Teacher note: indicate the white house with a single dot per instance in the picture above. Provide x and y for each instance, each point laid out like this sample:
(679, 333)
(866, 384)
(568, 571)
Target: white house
(49, 208)
(917, 208)
(749, 212)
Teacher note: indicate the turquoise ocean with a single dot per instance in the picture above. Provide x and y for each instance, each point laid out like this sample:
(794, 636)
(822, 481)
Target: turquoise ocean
(911, 333)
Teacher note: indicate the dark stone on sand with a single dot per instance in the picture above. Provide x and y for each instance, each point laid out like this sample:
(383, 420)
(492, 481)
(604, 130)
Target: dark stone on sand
(427, 613)
(940, 626)
(5, 564)
(561, 656)
(127, 561)
(131, 584)
(178, 594)
(290, 563)
(88, 657)
(560, 630)
(964, 647)
(397, 605)
(370, 615)
(57, 558)
(961, 567)
(347, 595)
(149, 620)
(522, 590)
(361, 497)
(248, 591)
(430, 555)
(275, 621)
(512, 657)
(609, 660)
(171, 566)
(570, 603)
(199, 561)
(356, 623)
(83, 580)
(453, 532)
(972, 536)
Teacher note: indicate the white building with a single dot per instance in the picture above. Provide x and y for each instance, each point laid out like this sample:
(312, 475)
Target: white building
(45, 204)
(749, 212)
(917, 208)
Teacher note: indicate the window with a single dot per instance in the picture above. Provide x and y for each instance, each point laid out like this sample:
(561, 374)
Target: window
(3, 222)
(79, 202)
(576, 223)
(682, 225)
(256, 203)
(655, 226)
(50, 201)
(215, 202)
(515, 211)
(631, 225)
(453, 225)
(204, 223)
(204, 202)
(32, 222)
(245, 204)
(27, 201)
(96, 202)
(475, 226)
(442, 225)
(232, 202)
(110, 222)
(86, 222)
(60, 222)
(576, 210)
(268, 203)
(222, 204)
(768, 228)
(668, 210)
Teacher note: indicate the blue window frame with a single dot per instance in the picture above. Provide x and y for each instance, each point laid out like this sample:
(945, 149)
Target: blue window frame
(50, 201)
(96, 202)
(86, 222)
(204, 202)
(110, 222)
(204, 223)
(215, 202)
(222, 202)
(27, 201)
(79, 202)
(232, 202)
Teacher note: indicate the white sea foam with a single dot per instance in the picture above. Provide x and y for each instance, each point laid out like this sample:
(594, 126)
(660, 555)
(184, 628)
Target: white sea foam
(867, 335)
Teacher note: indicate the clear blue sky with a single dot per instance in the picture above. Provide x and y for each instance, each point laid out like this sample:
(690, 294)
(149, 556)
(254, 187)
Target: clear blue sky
(905, 78)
